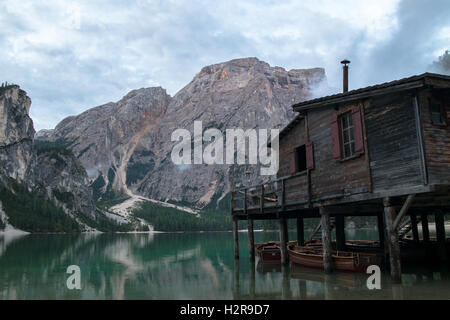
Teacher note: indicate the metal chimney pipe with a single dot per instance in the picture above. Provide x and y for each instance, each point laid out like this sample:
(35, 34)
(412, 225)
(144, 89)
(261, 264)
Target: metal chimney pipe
(345, 75)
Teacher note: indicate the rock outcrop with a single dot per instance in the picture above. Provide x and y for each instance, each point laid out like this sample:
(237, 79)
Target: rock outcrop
(16, 135)
(126, 146)
(47, 173)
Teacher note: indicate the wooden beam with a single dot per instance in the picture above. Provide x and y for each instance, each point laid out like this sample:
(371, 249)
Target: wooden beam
(414, 229)
(440, 235)
(316, 229)
(403, 211)
(423, 164)
(236, 283)
(392, 240)
(251, 240)
(283, 241)
(425, 229)
(326, 241)
(381, 230)
(303, 106)
(236, 238)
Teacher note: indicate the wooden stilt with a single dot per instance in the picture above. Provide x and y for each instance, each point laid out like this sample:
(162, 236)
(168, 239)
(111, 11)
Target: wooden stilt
(236, 284)
(326, 240)
(425, 229)
(440, 235)
(251, 240)
(286, 283)
(392, 240)
(300, 232)
(414, 229)
(236, 238)
(303, 291)
(381, 230)
(252, 280)
(340, 232)
(283, 241)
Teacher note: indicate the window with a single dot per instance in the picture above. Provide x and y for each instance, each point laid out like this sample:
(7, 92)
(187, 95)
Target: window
(437, 113)
(347, 135)
(302, 158)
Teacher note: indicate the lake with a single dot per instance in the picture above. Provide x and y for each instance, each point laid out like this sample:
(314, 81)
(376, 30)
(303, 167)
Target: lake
(186, 266)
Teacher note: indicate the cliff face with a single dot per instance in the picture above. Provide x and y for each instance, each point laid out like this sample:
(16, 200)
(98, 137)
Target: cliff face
(104, 138)
(16, 135)
(242, 93)
(46, 173)
(126, 146)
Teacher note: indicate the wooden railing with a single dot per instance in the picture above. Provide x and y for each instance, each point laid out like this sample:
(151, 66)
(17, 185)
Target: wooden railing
(284, 191)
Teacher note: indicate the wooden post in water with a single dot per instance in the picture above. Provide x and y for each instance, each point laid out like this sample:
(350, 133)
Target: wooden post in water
(236, 284)
(300, 232)
(440, 235)
(425, 230)
(236, 238)
(381, 230)
(414, 229)
(251, 240)
(326, 240)
(340, 232)
(252, 280)
(283, 241)
(392, 240)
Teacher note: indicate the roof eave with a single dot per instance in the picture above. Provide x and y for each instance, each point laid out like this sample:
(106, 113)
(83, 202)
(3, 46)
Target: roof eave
(303, 106)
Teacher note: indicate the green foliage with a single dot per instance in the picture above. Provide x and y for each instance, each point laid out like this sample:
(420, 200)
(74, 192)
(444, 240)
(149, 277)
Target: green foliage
(32, 212)
(104, 224)
(170, 219)
(65, 197)
(59, 146)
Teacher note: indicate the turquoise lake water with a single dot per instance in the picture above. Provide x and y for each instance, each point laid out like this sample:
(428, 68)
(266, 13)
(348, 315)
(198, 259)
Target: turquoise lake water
(186, 266)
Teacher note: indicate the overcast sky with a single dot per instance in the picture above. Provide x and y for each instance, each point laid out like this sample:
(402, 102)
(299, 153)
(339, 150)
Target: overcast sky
(73, 55)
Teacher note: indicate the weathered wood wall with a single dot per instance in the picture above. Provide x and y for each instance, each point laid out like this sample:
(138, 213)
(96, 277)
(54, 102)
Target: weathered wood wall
(329, 177)
(436, 137)
(392, 141)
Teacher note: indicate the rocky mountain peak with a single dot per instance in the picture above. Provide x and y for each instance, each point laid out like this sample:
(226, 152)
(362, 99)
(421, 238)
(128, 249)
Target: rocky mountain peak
(126, 146)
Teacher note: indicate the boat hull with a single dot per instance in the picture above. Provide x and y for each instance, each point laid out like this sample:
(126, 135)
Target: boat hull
(269, 252)
(344, 261)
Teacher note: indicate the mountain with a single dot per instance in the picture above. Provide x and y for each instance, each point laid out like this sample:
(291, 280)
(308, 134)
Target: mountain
(126, 146)
(43, 187)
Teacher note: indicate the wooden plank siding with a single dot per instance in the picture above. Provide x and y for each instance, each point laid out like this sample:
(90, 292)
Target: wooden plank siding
(392, 138)
(436, 137)
(329, 177)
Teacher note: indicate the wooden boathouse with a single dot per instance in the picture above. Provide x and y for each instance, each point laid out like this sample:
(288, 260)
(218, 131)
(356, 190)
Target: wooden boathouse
(380, 151)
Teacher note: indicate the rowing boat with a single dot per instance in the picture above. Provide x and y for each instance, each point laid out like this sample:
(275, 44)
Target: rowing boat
(342, 260)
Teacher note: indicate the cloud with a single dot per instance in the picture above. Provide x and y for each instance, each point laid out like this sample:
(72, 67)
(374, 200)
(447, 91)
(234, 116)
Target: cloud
(73, 55)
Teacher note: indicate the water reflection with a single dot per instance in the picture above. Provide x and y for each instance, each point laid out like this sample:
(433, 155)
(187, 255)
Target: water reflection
(182, 266)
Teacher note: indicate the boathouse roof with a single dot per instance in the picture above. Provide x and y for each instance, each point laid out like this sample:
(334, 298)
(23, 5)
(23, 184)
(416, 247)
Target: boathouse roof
(366, 92)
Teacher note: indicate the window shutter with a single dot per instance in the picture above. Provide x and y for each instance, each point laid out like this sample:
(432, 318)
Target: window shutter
(309, 155)
(335, 138)
(293, 162)
(357, 126)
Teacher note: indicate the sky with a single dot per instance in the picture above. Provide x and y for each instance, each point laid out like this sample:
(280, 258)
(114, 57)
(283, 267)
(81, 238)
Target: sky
(74, 55)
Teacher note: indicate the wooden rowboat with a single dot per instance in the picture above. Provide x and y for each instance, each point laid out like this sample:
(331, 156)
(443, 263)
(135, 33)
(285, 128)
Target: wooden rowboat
(269, 252)
(342, 260)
